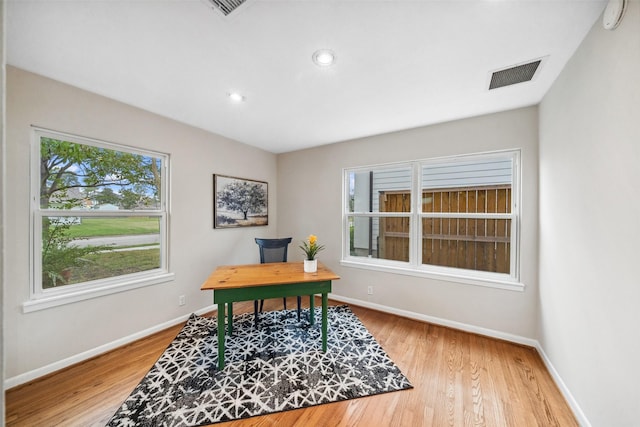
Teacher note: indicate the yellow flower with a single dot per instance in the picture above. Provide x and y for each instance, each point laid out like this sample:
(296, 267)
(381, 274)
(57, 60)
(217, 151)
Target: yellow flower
(310, 247)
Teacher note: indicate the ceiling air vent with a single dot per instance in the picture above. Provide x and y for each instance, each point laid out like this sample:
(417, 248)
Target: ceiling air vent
(226, 6)
(510, 76)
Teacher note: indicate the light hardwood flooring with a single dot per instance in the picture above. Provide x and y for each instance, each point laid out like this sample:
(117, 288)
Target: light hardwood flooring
(459, 379)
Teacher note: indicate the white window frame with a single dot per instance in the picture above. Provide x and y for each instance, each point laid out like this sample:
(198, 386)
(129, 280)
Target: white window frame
(414, 266)
(40, 298)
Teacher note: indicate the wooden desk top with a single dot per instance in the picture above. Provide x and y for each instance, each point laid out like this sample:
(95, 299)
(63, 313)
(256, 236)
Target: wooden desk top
(277, 273)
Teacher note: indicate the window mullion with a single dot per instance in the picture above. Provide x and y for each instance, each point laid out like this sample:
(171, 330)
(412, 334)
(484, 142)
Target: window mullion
(415, 236)
(380, 214)
(97, 213)
(464, 215)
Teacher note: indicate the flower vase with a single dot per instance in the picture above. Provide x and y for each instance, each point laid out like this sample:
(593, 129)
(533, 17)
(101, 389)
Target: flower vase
(310, 265)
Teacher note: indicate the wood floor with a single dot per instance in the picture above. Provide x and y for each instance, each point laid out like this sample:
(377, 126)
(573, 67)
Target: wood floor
(459, 379)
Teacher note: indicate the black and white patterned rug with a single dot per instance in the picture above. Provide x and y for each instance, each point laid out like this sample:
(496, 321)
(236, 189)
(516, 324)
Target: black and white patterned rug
(277, 367)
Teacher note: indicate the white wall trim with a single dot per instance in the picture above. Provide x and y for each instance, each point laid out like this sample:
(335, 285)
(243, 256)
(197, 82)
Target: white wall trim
(573, 404)
(384, 265)
(577, 410)
(64, 363)
(88, 291)
(439, 321)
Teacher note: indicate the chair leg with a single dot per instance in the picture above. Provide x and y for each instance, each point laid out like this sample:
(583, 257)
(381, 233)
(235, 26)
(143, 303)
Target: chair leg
(255, 311)
(299, 301)
(284, 302)
(261, 305)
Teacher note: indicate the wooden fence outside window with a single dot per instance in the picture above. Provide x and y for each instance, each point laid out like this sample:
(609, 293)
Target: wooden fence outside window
(468, 243)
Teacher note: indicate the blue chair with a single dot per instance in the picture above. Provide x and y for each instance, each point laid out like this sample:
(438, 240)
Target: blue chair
(273, 250)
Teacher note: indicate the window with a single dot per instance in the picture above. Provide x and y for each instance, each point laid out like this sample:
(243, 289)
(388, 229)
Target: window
(99, 218)
(453, 217)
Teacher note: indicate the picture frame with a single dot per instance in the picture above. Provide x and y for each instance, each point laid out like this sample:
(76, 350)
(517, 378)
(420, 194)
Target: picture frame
(239, 202)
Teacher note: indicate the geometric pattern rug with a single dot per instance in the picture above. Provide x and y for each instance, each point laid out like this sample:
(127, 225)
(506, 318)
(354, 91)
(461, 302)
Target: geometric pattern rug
(276, 367)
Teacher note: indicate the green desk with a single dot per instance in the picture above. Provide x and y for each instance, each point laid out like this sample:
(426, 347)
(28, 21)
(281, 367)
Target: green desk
(234, 283)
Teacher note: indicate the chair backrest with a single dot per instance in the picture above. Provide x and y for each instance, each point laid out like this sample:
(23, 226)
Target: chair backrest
(273, 250)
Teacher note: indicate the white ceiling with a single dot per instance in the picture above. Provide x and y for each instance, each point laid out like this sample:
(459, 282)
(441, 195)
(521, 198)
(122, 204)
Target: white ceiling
(400, 64)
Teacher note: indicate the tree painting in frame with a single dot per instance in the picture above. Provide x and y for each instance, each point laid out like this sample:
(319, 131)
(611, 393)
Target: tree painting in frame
(239, 202)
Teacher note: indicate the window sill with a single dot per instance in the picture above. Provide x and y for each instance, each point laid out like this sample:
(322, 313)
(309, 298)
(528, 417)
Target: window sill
(47, 301)
(467, 280)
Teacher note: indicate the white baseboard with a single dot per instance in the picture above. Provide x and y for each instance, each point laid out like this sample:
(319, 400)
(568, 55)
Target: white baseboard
(577, 411)
(439, 321)
(65, 363)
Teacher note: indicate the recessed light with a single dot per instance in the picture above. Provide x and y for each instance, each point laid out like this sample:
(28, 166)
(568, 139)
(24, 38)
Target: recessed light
(236, 97)
(324, 57)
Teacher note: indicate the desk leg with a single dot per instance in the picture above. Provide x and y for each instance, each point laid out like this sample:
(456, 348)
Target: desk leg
(230, 318)
(324, 321)
(312, 318)
(221, 336)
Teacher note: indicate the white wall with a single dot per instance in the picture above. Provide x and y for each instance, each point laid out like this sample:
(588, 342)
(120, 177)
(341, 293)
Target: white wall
(590, 223)
(309, 201)
(35, 340)
(2, 184)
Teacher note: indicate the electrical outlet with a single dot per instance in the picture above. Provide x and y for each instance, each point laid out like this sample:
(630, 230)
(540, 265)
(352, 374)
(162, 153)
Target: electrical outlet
(182, 300)
(370, 290)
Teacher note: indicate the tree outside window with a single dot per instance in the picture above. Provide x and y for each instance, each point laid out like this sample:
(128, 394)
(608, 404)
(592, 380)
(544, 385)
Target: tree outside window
(101, 212)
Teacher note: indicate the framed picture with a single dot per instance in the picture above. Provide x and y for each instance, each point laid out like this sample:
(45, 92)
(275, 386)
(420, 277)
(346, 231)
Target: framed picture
(239, 202)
